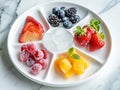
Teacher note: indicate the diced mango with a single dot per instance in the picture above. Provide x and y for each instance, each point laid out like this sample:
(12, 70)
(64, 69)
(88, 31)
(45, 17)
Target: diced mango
(69, 74)
(65, 65)
(78, 67)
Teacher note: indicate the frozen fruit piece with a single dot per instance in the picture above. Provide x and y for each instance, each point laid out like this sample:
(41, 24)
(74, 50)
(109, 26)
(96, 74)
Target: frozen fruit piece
(82, 37)
(45, 53)
(24, 55)
(65, 65)
(31, 48)
(96, 42)
(30, 62)
(38, 55)
(44, 63)
(23, 47)
(36, 68)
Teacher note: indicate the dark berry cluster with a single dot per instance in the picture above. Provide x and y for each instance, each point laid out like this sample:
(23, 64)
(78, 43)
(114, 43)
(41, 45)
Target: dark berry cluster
(67, 16)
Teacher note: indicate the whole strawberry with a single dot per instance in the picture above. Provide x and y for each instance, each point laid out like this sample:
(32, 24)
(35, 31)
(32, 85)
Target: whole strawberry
(82, 36)
(96, 42)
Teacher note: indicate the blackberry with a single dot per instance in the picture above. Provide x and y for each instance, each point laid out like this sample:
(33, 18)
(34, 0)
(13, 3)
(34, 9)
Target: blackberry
(74, 19)
(54, 20)
(71, 12)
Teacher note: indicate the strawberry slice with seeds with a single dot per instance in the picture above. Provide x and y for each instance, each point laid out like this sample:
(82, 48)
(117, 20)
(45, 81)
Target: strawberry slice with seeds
(32, 31)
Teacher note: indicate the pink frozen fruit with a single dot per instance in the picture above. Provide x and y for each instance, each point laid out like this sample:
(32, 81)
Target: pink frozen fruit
(44, 63)
(38, 55)
(36, 68)
(31, 48)
(24, 55)
(30, 62)
(45, 53)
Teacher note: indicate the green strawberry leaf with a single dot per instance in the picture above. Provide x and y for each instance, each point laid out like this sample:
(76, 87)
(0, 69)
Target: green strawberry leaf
(79, 31)
(70, 50)
(95, 24)
(75, 56)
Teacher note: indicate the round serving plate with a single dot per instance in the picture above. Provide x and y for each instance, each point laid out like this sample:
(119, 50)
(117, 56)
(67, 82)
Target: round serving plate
(97, 60)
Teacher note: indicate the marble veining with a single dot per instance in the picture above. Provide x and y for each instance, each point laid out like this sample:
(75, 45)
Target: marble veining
(8, 13)
(11, 79)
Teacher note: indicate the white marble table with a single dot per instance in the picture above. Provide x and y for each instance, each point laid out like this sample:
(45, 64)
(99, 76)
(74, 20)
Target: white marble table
(11, 79)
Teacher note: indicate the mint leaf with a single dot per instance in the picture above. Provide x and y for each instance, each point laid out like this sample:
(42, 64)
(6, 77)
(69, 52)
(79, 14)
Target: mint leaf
(75, 56)
(70, 50)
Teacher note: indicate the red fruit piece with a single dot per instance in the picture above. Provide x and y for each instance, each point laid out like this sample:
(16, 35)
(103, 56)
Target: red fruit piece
(38, 55)
(43, 62)
(82, 37)
(31, 48)
(45, 53)
(24, 55)
(23, 47)
(89, 28)
(32, 31)
(36, 68)
(96, 42)
(30, 62)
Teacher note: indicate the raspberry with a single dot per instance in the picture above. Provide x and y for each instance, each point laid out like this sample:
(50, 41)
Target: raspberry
(24, 55)
(30, 62)
(31, 48)
(23, 47)
(38, 55)
(43, 62)
(45, 53)
(36, 68)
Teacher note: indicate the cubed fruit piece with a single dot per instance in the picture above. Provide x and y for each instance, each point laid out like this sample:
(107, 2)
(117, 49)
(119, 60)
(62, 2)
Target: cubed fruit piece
(65, 65)
(86, 64)
(56, 64)
(78, 67)
(69, 74)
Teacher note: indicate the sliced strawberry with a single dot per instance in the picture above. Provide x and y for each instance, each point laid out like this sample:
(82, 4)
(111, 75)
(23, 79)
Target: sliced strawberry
(32, 31)
(96, 42)
(28, 36)
(82, 37)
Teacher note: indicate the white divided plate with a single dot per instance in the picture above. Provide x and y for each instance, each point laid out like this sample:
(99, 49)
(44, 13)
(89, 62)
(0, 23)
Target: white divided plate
(63, 40)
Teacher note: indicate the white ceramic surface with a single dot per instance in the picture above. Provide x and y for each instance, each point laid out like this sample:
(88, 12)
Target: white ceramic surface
(49, 77)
